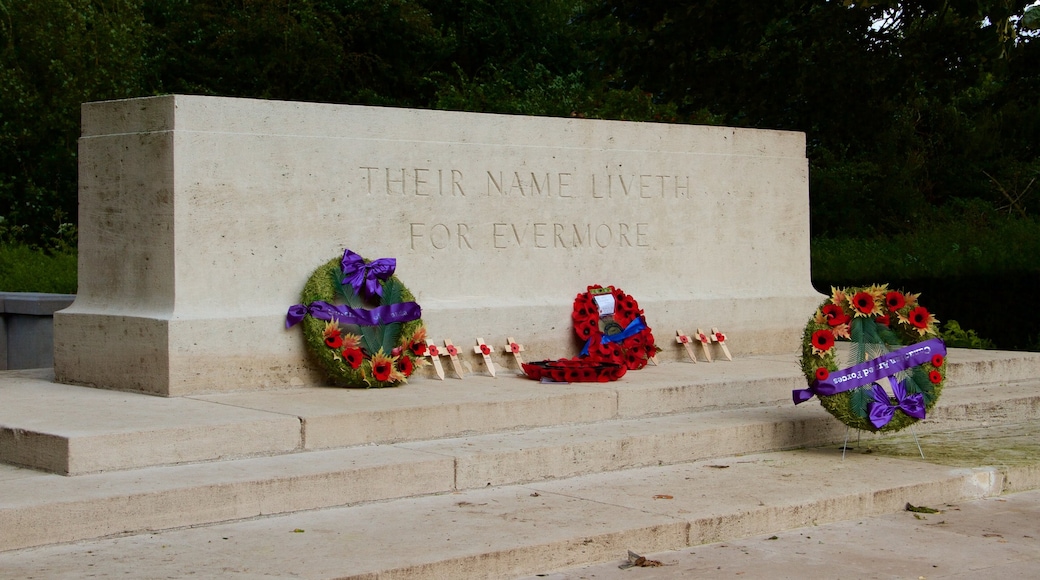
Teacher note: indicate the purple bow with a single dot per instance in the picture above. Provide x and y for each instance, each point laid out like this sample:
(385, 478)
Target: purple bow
(364, 278)
(882, 410)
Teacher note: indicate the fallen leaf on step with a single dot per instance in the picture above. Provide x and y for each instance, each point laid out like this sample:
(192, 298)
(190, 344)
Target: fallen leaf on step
(663, 496)
(297, 531)
(718, 466)
(921, 509)
(637, 561)
(992, 536)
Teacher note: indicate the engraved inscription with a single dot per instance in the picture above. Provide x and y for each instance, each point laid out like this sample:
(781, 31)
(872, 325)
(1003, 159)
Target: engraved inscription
(430, 182)
(540, 235)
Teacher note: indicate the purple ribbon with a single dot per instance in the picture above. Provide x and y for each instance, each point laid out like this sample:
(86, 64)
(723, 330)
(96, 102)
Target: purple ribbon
(364, 278)
(389, 314)
(873, 370)
(882, 410)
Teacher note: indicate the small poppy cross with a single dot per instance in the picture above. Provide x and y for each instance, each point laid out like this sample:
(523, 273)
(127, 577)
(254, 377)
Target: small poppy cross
(684, 340)
(705, 344)
(435, 355)
(485, 351)
(453, 355)
(515, 348)
(720, 338)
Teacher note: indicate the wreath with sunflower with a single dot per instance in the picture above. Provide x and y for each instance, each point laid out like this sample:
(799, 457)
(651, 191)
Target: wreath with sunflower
(360, 322)
(894, 340)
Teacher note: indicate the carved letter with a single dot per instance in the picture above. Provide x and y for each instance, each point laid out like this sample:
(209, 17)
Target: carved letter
(536, 188)
(610, 235)
(538, 235)
(463, 231)
(565, 182)
(500, 243)
(368, 177)
(456, 182)
(417, 231)
(641, 233)
(420, 181)
(447, 236)
(623, 235)
(685, 189)
(492, 181)
(389, 182)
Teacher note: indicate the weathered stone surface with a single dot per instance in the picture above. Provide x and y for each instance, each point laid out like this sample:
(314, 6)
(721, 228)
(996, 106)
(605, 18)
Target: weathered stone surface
(202, 217)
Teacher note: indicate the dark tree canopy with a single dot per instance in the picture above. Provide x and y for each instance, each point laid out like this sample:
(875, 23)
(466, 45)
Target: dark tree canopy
(907, 105)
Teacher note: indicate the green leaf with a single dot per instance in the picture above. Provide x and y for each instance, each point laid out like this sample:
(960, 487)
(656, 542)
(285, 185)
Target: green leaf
(857, 353)
(371, 339)
(392, 292)
(1031, 19)
(861, 400)
(346, 291)
(391, 334)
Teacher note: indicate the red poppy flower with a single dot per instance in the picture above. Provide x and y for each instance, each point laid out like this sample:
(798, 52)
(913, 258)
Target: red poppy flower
(835, 315)
(822, 373)
(433, 350)
(823, 340)
(334, 341)
(628, 305)
(938, 360)
(703, 338)
(935, 377)
(720, 337)
(919, 317)
(452, 351)
(485, 349)
(588, 374)
(864, 302)
(353, 357)
(895, 300)
(405, 365)
(381, 369)
(634, 360)
(571, 374)
(883, 320)
(684, 339)
(584, 330)
(418, 347)
(514, 347)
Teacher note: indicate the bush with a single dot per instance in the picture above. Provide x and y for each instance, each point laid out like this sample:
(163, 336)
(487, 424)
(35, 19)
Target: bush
(25, 269)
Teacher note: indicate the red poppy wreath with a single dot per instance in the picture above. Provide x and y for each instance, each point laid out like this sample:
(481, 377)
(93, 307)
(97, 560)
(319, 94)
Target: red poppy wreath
(894, 343)
(613, 328)
(616, 339)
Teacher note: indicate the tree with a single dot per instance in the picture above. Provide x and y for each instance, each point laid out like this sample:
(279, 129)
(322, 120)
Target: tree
(54, 55)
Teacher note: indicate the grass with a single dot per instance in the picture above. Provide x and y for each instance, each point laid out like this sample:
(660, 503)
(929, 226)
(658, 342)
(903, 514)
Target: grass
(962, 241)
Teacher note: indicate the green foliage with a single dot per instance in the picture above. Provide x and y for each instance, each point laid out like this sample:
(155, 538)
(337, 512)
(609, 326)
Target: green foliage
(957, 337)
(24, 269)
(54, 55)
(964, 238)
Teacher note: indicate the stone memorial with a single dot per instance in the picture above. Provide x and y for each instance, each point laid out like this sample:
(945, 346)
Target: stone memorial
(201, 218)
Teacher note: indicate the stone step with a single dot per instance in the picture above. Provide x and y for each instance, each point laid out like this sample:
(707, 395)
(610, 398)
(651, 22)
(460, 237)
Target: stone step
(518, 530)
(38, 508)
(78, 430)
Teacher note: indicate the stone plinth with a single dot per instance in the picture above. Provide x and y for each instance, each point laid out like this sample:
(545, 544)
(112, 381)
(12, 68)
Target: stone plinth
(201, 218)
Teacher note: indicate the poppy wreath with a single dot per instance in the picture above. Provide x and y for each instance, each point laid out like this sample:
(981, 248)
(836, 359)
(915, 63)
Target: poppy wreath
(894, 341)
(361, 323)
(621, 338)
(574, 370)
